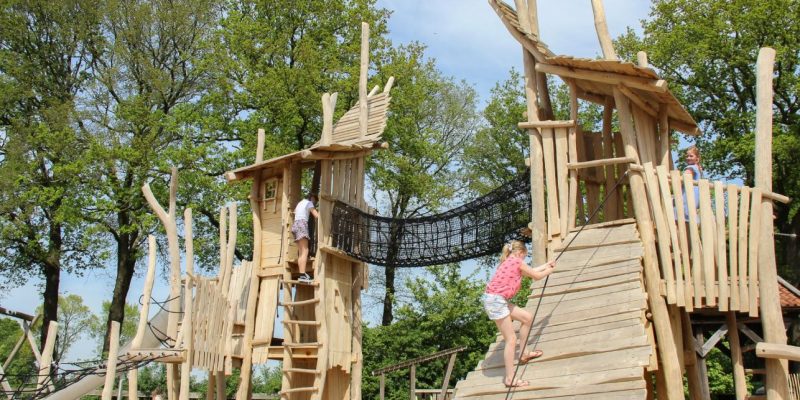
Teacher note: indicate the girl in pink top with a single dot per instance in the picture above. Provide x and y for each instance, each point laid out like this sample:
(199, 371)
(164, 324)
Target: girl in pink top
(504, 285)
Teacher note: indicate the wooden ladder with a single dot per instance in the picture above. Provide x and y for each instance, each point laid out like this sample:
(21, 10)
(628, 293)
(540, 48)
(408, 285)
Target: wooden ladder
(304, 354)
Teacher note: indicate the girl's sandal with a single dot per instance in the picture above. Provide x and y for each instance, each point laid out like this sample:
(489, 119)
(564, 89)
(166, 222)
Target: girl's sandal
(516, 384)
(530, 356)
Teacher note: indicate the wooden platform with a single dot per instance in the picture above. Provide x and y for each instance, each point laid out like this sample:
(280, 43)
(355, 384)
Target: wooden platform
(590, 325)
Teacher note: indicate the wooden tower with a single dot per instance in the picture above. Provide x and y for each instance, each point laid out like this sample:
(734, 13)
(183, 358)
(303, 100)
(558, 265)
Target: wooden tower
(663, 250)
(321, 322)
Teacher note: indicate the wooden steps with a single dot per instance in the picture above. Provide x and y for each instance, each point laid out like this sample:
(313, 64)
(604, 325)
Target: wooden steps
(590, 325)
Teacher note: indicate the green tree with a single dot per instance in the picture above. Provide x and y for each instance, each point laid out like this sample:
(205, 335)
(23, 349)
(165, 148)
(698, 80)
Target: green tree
(432, 118)
(708, 50)
(44, 63)
(23, 363)
(74, 319)
(445, 311)
(147, 75)
(97, 328)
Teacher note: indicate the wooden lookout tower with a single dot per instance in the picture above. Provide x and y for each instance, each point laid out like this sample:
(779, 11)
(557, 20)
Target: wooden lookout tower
(321, 322)
(615, 320)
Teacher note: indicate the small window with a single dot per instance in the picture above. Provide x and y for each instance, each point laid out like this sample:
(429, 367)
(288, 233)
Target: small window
(270, 189)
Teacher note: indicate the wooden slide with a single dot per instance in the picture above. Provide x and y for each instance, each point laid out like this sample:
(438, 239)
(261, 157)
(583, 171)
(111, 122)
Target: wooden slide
(591, 326)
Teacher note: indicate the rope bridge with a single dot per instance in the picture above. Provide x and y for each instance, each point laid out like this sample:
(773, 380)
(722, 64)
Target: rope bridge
(472, 230)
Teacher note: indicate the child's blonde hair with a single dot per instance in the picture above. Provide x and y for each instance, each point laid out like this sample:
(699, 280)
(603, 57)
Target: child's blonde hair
(694, 150)
(512, 246)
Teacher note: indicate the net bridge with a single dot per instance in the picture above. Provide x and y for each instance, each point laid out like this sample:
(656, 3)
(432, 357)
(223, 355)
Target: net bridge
(472, 230)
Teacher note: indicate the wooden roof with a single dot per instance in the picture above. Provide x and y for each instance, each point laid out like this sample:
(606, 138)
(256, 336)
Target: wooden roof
(345, 138)
(597, 78)
(789, 295)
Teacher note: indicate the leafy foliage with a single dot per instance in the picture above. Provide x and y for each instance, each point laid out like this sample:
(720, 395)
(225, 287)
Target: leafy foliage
(445, 312)
(431, 120)
(23, 362)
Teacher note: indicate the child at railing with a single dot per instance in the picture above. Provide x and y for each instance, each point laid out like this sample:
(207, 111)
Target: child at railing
(693, 166)
(504, 285)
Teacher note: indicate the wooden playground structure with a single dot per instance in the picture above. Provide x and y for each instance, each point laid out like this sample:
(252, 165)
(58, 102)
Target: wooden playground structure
(616, 318)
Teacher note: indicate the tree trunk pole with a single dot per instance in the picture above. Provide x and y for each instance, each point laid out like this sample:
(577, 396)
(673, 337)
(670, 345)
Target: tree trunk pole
(602, 30)
(777, 385)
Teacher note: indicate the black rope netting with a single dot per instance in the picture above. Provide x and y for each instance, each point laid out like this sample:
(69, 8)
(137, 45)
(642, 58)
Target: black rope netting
(472, 230)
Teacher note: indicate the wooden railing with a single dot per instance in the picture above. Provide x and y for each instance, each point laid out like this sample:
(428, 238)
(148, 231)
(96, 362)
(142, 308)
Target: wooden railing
(707, 239)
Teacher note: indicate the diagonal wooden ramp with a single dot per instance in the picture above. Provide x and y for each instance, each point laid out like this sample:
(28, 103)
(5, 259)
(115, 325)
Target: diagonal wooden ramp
(591, 326)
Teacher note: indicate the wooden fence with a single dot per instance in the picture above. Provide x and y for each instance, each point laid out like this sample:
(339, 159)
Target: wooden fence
(707, 239)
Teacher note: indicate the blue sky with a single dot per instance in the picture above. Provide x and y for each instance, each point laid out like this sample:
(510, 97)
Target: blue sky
(468, 42)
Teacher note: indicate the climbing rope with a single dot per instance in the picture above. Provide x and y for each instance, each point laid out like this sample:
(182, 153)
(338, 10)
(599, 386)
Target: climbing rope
(544, 286)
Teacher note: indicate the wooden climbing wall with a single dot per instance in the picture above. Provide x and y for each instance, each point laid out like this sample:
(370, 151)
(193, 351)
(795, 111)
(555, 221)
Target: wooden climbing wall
(591, 326)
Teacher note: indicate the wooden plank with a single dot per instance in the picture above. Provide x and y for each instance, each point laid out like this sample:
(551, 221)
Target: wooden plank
(562, 154)
(778, 351)
(625, 384)
(610, 210)
(696, 260)
(744, 212)
(574, 136)
(558, 280)
(621, 234)
(721, 251)
(708, 247)
(584, 257)
(752, 263)
(669, 212)
(605, 77)
(732, 241)
(662, 231)
(548, 147)
(591, 368)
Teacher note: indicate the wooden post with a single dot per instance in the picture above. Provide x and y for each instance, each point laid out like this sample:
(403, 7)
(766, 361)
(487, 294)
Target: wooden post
(363, 108)
(111, 364)
(383, 386)
(739, 380)
(260, 146)
(230, 252)
(538, 223)
(523, 17)
(641, 59)
(602, 30)
(777, 385)
(170, 225)
(702, 370)
(356, 371)
(691, 359)
(244, 391)
(144, 312)
(450, 364)
(327, 120)
(572, 155)
(188, 300)
(666, 347)
(413, 382)
(47, 354)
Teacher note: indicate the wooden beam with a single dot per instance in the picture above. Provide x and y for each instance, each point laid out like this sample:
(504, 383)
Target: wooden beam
(601, 27)
(363, 107)
(640, 102)
(713, 340)
(737, 362)
(601, 162)
(546, 124)
(611, 78)
(111, 364)
(777, 351)
(684, 127)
